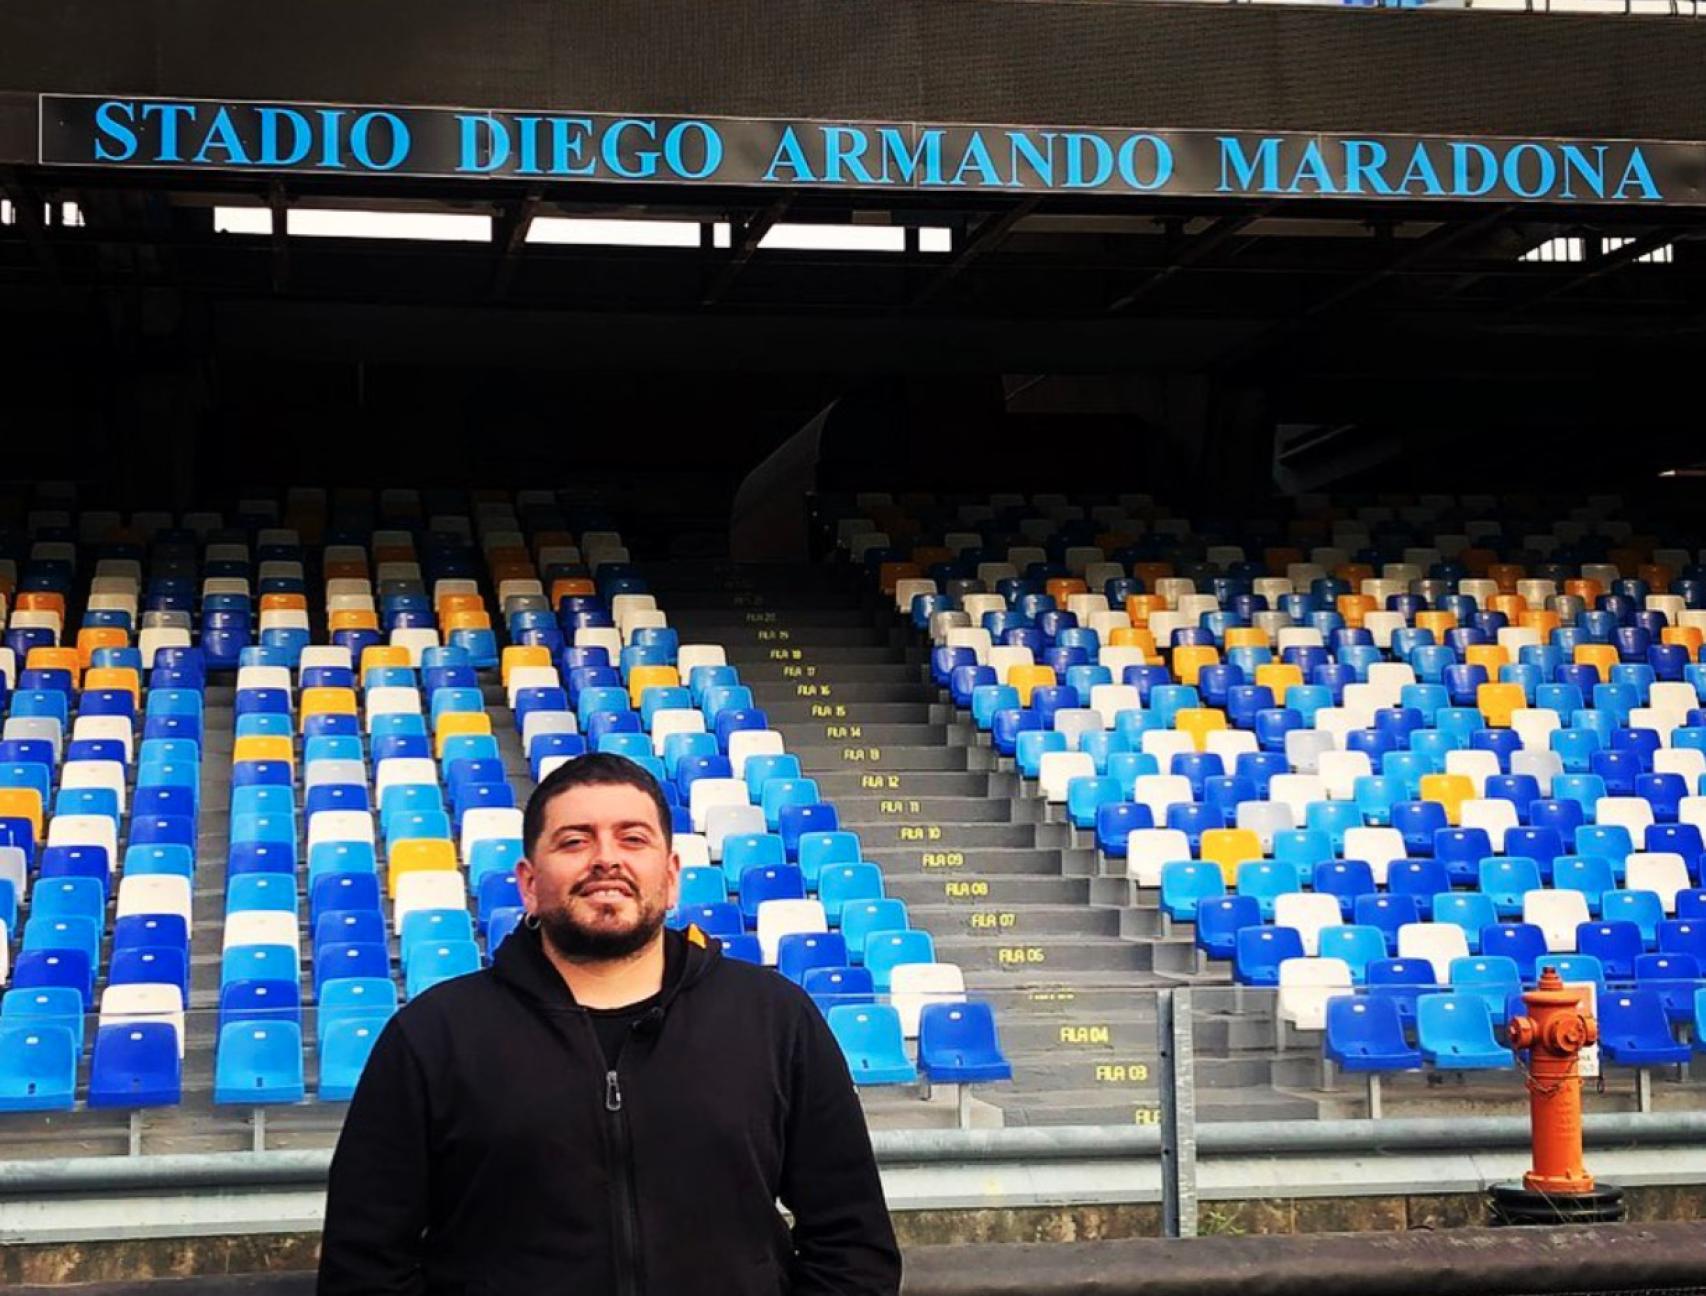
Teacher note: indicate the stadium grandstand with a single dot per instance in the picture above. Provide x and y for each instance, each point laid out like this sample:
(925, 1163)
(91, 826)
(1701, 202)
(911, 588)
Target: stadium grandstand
(1171, 605)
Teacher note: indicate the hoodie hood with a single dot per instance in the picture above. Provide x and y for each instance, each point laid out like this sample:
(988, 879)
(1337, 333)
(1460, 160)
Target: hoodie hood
(521, 964)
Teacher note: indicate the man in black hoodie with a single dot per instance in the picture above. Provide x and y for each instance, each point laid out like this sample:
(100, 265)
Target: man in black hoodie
(612, 1107)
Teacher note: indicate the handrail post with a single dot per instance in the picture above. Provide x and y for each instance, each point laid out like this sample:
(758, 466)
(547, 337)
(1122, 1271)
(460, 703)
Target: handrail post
(1174, 1047)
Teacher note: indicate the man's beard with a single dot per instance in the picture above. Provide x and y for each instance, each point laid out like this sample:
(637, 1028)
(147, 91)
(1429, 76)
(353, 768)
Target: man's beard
(573, 939)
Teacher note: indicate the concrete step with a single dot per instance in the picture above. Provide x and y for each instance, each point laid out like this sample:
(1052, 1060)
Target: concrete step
(1018, 922)
(773, 693)
(978, 890)
(948, 836)
(917, 735)
(868, 808)
(947, 864)
(1051, 954)
(970, 787)
(831, 756)
(835, 711)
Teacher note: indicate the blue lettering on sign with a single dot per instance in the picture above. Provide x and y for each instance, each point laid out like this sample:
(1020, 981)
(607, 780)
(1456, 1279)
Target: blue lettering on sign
(646, 159)
(848, 154)
(113, 119)
(301, 137)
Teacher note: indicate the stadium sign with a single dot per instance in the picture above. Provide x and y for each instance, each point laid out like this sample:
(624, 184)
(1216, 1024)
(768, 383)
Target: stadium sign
(344, 140)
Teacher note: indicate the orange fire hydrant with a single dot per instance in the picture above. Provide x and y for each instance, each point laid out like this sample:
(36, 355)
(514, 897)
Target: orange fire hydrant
(1555, 1031)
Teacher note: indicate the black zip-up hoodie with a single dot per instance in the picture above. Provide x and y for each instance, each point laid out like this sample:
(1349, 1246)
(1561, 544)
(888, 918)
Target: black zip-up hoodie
(488, 1150)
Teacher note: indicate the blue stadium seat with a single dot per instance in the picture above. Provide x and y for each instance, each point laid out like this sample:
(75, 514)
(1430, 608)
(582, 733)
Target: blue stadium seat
(800, 952)
(1633, 1030)
(1386, 914)
(843, 985)
(1615, 944)
(1367, 1034)
(1347, 879)
(1259, 951)
(135, 1064)
(1402, 982)
(957, 1044)
(1219, 920)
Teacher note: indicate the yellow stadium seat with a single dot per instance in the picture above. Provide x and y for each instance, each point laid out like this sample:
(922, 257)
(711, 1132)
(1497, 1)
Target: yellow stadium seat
(1064, 587)
(1688, 636)
(1588, 591)
(418, 855)
(1506, 575)
(354, 619)
(67, 659)
(284, 602)
(1353, 574)
(396, 553)
(1541, 621)
(1354, 607)
(1497, 701)
(1189, 659)
(1027, 678)
(326, 700)
(642, 678)
(347, 569)
(260, 747)
(522, 655)
(1246, 637)
(42, 601)
(1230, 847)
(23, 803)
(1438, 622)
(467, 619)
(1278, 676)
(1133, 637)
(449, 603)
(507, 571)
(452, 723)
(92, 637)
(1512, 605)
(1150, 572)
(1451, 791)
(1199, 723)
(382, 655)
(1139, 606)
(1602, 657)
(891, 574)
(115, 677)
(1490, 657)
(571, 587)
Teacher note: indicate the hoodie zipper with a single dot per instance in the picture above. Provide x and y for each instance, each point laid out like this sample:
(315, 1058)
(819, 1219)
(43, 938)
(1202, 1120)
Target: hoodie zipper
(625, 1206)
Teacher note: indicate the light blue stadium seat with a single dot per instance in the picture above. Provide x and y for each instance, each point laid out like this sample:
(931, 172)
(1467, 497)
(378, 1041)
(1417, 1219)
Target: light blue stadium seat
(45, 1006)
(1469, 910)
(258, 1063)
(859, 918)
(1590, 874)
(886, 950)
(1454, 1032)
(1265, 880)
(870, 1038)
(702, 886)
(1492, 976)
(436, 961)
(1505, 879)
(274, 892)
(1356, 944)
(1186, 883)
(359, 998)
(344, 1046)
(38, 1066)
(842, 884)
(424, 927)
(1643, 908)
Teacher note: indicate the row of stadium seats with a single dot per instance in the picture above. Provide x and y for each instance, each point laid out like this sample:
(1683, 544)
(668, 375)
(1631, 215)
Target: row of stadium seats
(1398, 755)
(417, 856)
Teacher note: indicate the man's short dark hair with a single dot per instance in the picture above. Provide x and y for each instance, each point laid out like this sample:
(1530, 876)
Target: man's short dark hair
(598, 769)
